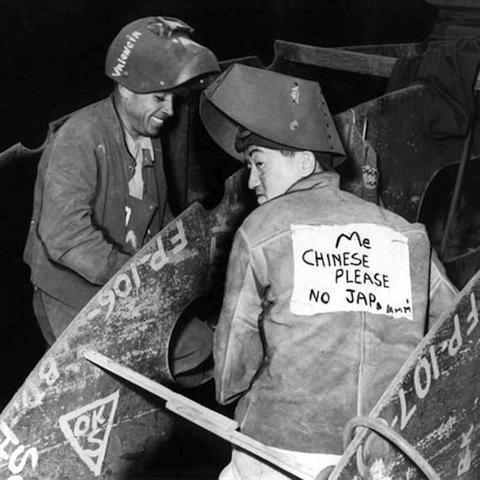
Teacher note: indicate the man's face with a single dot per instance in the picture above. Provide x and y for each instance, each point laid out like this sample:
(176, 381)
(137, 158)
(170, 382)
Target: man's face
(271, 172)
(146, 112)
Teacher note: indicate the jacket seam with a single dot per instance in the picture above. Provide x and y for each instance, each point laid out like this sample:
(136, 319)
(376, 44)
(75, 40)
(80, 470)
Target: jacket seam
(234, 316)
(361, 365)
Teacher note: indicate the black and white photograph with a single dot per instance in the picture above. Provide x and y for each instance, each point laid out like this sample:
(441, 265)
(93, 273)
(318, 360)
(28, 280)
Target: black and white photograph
(240, 240)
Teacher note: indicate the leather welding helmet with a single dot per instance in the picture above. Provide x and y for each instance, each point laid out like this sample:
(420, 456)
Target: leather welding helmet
(288, 111)
(156, 53)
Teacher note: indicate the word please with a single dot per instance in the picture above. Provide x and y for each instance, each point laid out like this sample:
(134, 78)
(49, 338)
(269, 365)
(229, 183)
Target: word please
(360, 277)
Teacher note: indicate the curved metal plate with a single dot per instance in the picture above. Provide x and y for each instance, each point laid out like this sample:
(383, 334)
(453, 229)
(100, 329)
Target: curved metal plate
(432, 403)
(70, 419)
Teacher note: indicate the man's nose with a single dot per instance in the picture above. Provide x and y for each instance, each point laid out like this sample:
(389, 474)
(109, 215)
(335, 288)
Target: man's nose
(167, 106)
(253, 181)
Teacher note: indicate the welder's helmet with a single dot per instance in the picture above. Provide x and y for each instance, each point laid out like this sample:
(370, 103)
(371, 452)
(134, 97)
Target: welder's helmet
(156, 53)
(247, 104)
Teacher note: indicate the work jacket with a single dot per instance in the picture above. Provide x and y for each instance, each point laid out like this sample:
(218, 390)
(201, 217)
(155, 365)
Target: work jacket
(76, 240)
(301, 377)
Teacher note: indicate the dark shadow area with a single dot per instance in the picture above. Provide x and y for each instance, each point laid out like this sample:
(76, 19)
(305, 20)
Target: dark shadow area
(182, 450)
(191, 452)
(21, 341)
(462, 253)
(190, 360)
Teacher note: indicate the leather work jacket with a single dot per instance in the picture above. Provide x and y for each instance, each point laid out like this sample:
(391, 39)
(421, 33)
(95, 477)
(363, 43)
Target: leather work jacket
(300, 378)
(76, 240)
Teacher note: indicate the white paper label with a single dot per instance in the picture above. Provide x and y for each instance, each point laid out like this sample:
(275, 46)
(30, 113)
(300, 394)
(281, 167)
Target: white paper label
(356, 267)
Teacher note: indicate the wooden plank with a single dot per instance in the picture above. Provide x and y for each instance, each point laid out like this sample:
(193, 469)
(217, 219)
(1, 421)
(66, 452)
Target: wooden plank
(251, 60)
(338, 59)
(433, 403)
(157, 389)
(386, 49)
(334, 58)
(208, 419)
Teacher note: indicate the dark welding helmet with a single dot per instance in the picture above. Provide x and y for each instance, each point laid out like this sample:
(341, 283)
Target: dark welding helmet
(156, 53)
(280, 110)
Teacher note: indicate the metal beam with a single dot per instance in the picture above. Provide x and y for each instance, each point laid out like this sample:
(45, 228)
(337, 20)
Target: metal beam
(338, 59)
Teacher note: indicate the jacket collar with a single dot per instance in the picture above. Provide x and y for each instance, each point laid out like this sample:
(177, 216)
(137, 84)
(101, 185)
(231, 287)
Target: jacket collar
(112, 119)
(316, 180)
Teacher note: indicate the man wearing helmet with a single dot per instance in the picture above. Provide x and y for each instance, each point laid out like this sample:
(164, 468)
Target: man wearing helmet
(101, 190)
(326, 294)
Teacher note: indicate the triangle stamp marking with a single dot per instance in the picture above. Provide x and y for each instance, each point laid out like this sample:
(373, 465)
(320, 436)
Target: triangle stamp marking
(88, 430)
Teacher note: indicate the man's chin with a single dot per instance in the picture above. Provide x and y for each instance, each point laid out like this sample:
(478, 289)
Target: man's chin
(154, 126)
(261, 199)
(153, 131)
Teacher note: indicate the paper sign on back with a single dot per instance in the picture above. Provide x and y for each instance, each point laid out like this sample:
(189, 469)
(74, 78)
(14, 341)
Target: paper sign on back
(356, 267)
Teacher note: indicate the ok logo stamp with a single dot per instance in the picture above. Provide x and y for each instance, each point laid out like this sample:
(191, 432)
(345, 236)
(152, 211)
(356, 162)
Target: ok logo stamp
(88, 430)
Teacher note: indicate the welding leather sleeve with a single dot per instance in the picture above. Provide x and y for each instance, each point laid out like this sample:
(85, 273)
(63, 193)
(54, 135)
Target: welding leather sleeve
(238, 349)
(66, 224)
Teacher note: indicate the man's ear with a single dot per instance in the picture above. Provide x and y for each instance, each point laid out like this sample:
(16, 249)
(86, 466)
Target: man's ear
(123, 91)
(307, 163)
